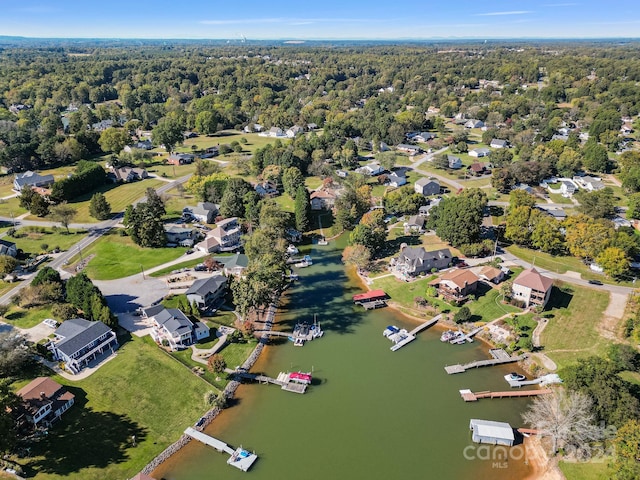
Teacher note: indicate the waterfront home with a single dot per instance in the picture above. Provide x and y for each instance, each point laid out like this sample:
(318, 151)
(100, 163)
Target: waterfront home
(456, 285)
(491, 274)
(414, 261)
(493, 433)
(532, 288)
(234, 264)
(427, 186)
(322, 199)
(43, 401)
(31, 179)
(224, 238)
(78, 341)
(207, 292)
(172, 328)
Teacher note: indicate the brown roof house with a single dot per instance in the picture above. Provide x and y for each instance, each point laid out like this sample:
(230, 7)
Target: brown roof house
(44, 401)
(531, 288)
(322, 200)
(456, 285)
(491, 274)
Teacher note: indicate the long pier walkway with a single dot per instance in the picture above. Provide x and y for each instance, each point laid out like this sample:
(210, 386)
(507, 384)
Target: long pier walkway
(283, 380)
(451, 369)
(469, 396)
(411, 336)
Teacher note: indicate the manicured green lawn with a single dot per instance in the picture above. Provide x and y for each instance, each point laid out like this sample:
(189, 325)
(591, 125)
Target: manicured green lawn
(36, 238)
(143, 393)
(254, 141)
(403, 292)
(11, 207)
(27, 318)
(558, 198)
(286, 202)
(175, 203)
(560, 264)
(489, 305)
(312, 182)
(585, 471)
(572, 331)
(221, 317)
(171, 171)
(118, 257)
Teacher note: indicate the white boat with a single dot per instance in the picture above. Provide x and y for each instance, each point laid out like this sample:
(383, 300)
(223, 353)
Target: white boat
(398, 336)
(458, 338)
(306, 262)
(514, 377)
(390, 330)
(298, 342)
(323, 241)
(292, 249)
(447, 336)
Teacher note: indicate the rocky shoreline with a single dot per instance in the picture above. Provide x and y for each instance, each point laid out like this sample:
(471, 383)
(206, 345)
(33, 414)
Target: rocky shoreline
(228, 392)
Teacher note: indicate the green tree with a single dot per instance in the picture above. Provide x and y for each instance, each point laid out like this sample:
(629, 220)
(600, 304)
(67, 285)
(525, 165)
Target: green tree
(387, 159)
(463, 315)
(302, 208)
(569, 163)
(586, 237)
(457, 219)
(633, 201)
(168, 132)
(207, 122)
(39, 206)
(626, 465)
(292, 179)
(46, 275)
(547, 236)
(114, 140)
(99, 207)
(63, 213)
(7, 264)
(27, 196)
(520, 224)
(232, 202)
(596, 204)
(595, 157)
(614, 262)
(519, 198)
(9, 403)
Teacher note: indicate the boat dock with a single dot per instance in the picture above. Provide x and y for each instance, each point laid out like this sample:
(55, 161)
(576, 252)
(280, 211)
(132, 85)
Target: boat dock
(238, 458)
(469, 396)
(451, 369)
(543, 381)
(411, 336)
(284, 380)
(372, 299)
(467, 337)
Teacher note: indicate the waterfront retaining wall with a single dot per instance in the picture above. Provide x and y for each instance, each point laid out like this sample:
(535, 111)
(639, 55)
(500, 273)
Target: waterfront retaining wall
(228, 392)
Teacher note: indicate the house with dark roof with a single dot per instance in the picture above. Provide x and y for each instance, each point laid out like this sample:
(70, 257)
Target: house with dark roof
(414, 261)
(414, 224)
(44, 401)
(207, 292)
(172, 328)
(424, 137)
(427, 186)
(177, 235)
(31, 179)
(8, 248)
(234, 264)
(474, 124)
(396, 180)
(532, 288)
(180, 159)
(78, 341)
(478, 168)
(266, 189)
(127, 174)
(410, 149)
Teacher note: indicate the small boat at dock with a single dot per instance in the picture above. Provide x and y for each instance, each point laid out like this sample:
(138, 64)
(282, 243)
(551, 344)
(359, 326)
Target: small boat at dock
(458, 338)
(514, 377)
(390, 330)
(447, 336)
(292, 250)
(306, 262)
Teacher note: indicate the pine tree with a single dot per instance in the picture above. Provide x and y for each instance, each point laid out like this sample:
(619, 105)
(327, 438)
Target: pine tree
(302, 209)
(99, 207)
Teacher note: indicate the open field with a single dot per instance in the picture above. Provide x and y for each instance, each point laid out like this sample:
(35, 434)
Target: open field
(11, 207)
(585, 470)
(34, 240)
(27, 318)
(254, 141)
(572, 332)
(128, 396)
(118, 257)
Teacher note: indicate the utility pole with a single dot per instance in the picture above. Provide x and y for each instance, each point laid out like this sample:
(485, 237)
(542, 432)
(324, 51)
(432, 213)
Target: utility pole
(142, 269)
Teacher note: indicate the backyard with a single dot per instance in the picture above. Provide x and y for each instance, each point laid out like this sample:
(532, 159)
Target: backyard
(27, 317)
(124, 414)
(37, 240)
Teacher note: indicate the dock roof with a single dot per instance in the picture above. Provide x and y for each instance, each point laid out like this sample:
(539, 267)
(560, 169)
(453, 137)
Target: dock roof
(369, 295)
(490, 430)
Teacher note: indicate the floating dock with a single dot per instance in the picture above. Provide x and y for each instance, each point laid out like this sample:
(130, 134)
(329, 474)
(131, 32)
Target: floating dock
(542, 381)
(468, 337)
(469, 396)
(411, 336)
(451, 369)
(286, 381)
(239, 458)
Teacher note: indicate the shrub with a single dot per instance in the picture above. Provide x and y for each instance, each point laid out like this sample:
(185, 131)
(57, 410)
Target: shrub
(463, 315)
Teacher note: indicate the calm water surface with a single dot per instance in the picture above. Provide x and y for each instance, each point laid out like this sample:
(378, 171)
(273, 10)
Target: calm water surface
(372, 414)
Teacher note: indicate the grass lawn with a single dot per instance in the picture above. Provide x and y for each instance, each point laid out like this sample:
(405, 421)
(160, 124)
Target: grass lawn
(221, 317)
(560, 264)
(11, 207)
(254, 141)
(403, 292)
(489, 305)
(33, 241)
(286, 202)
(558, 198)
(118, 257)
(175, 202)
(127, 396)
(574, 316)
(585, 471)
(27, 317)
(312, 182)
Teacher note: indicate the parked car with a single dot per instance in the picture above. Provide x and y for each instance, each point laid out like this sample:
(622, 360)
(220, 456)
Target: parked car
(595, 282)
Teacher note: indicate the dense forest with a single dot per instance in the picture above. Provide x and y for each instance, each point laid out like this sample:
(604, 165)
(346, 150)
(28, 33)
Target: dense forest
(371, 94)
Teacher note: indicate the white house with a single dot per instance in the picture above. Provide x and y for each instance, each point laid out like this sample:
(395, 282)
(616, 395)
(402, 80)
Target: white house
(294, 131)
(591, 184)
(454, 162)
(44, 401)
(479, 152)
(496, 143)
(224, 238)
(532, 288)
(172, 327)
(395, 180)
(424, 137)
(474, 124)
(31, 179)
(493, 433)
(78, 341)
(567, 188)
(371, 169)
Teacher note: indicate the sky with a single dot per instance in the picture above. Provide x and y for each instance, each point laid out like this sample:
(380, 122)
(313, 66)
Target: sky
(323, 19)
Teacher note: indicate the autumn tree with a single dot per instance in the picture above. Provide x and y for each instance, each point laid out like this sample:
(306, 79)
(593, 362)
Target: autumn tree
(357, 255)
(586, 237)
(547, 235)
(614, 262)
(626, 464)
(216, 363)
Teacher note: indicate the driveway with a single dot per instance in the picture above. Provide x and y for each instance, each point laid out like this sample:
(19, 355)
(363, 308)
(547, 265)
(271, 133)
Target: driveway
(129, 293)
(135, 324)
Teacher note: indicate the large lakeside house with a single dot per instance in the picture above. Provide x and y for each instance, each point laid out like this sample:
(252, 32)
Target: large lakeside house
(531, 288)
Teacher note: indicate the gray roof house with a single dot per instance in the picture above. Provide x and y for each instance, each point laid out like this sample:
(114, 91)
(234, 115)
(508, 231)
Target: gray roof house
(454, 162)
(396, 180)
(410, 149)
(427, 186)
(173, 328)
(79, 341)
(479, 152)
(414, 224)
(8, 248)
(496, 143)
(204, 212)
(178, 235)
(180, 158)
(207, 292)
(413, 261)
(31, 179)
(494, 433)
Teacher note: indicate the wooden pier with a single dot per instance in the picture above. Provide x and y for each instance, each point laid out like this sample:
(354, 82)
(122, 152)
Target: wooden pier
(451, 369)
(411, 336)
(238, 458)
(282, 381)
(469, 396)
(373, 304)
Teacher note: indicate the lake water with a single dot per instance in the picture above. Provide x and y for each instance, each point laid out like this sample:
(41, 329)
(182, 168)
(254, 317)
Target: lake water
(371, 413)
